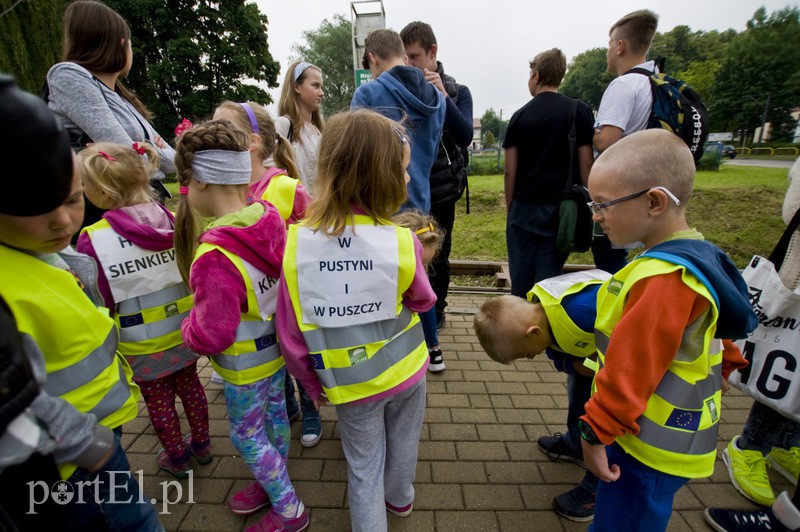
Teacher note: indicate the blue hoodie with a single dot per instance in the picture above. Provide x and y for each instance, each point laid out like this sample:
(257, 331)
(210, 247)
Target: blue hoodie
(404, 95)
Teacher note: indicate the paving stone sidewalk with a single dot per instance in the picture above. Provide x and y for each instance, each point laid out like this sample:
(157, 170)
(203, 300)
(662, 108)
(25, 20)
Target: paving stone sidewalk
(479, 466)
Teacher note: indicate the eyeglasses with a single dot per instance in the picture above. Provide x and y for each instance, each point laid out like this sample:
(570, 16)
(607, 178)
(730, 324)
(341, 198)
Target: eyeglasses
(597, 208)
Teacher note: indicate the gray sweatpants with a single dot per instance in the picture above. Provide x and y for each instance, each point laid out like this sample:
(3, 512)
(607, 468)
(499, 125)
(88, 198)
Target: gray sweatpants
(380, 442)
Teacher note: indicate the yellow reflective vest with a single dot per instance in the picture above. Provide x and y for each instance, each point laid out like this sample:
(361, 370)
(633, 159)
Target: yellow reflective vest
(78, 341)
(280, 192)
(361, 360)
(550, 293)
(151, 322)
(255, 354)
(678, 429)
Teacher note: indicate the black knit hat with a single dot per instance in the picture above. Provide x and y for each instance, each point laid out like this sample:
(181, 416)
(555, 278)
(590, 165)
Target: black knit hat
(36, 154)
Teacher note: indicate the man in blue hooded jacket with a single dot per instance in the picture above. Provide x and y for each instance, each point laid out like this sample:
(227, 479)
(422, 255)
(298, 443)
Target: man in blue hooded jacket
(402, 93)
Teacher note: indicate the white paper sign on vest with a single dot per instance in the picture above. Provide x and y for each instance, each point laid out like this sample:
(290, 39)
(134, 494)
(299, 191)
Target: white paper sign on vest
(773, 349)
(266, 289)
(133, 271)
(555, 286)
(350, 279)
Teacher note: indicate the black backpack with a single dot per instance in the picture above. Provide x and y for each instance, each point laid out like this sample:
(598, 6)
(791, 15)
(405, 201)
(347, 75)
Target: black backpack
(678, 108)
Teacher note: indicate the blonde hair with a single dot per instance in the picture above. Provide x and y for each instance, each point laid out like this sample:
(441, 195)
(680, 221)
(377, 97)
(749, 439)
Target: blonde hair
(272, 142)
(213, 135)
(289, 104)
(428, 232)
(119, 172)
(489, 320)
(360, 165)
(651, 158)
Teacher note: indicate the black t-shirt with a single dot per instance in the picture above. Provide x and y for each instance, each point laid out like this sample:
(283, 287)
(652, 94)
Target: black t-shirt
(540, 131)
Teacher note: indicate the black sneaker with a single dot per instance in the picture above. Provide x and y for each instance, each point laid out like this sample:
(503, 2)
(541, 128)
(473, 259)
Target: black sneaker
(437, 362)
(576, 505)
(557, 449)
(724, 520)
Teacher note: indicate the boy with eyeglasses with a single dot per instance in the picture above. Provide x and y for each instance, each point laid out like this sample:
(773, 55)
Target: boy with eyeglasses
(652, 421)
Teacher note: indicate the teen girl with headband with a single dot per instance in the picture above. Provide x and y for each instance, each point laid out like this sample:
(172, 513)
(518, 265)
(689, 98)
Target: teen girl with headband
(300, 118)
(234, 279)
(370, 364)
(150, 303)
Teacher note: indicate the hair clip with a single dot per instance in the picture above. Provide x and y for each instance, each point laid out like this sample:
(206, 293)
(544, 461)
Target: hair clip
(184, 126)
(138, 149)
(425, 229)
(105, 155)
(400, 135)
(184, 190)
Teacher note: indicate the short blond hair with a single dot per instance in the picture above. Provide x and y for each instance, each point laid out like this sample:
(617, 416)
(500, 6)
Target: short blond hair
(488, 323)
(119, 172)
(425, 226)
(651, 158)
(637, 29)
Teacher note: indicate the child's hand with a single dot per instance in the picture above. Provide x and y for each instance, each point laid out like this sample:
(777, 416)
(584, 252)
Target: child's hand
(595, 458)
(725, 386)
(581, 369)
(320, 401)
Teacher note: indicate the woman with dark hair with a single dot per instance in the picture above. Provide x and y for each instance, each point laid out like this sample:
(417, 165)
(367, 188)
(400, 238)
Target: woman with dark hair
(85, 90)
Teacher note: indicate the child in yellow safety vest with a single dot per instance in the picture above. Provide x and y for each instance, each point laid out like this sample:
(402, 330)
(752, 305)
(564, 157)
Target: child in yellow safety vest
(352, 285)
(141, 284)
(234, 275)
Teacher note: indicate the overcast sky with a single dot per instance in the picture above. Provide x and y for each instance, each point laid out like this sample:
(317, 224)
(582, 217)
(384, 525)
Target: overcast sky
(487, 44)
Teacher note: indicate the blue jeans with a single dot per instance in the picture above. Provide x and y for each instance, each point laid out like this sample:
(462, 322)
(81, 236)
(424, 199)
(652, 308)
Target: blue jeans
(639, 500)
(765, 428)
(119, 516)
(607, 258)
(531, 231)
(306, 404)
(579, 390)
(429, 327)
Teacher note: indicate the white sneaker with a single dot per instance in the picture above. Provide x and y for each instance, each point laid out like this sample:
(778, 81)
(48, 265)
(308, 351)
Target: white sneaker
(437, 361)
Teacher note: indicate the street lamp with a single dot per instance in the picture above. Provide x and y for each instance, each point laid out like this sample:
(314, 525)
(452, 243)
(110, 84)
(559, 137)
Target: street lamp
(763, 117)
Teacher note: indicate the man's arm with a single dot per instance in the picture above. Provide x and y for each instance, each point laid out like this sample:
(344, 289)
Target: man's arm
(459, 123)
(510, 173)
(605, 136)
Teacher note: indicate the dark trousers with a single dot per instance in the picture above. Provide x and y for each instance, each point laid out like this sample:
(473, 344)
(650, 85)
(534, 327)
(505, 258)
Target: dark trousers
(439, 271)
(607, 258)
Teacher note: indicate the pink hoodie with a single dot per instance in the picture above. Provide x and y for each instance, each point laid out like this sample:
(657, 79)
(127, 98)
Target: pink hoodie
(256, 234)
(419, 297)
(302, 198)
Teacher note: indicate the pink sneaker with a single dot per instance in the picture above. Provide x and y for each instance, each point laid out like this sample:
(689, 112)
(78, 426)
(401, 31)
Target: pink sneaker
(272, 522)
(249, 500)
(401, 511)
(204, 456)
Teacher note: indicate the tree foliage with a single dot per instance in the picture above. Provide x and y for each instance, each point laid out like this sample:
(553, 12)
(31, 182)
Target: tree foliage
(189, 55)
(330, 48)
(30, 40)
(587, 77)
(492, 123)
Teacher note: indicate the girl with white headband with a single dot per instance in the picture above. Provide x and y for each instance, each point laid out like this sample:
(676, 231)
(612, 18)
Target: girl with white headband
(234, 277)
(300, 118)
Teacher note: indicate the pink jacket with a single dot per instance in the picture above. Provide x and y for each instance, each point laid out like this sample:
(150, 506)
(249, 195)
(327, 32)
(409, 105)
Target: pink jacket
(302, 198)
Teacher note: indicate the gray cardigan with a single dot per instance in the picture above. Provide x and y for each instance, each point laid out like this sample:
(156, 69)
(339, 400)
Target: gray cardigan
(84, 103)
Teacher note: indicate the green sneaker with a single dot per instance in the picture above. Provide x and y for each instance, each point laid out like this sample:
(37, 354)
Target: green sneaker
(748, 472)
(786, 462)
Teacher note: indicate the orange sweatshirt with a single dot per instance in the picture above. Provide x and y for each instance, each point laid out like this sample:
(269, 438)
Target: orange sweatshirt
(641, 349)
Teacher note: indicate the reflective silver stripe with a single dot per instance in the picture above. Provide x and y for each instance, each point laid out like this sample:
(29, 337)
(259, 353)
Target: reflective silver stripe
(602, 341)
(163, 297)
(248, 360)
(678, 441)
(682, 394)
(387, 356)
(250, 330)
(114, 399)
(155, 329)
(323, 339)
(74, 376)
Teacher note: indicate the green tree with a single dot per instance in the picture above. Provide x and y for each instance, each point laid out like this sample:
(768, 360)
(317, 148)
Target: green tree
(489, 140)
(758, 62)
(330, 48)
(30, 40)
(700, 75)
(189, 55)
(492, 123)
(587, 77)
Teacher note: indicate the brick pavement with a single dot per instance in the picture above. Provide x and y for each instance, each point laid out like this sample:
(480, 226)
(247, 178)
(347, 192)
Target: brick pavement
(479, 466)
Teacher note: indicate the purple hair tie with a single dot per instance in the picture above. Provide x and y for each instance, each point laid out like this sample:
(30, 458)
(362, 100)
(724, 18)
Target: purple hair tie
(251, 115)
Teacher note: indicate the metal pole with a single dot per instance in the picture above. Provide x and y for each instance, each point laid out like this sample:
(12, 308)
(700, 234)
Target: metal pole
(764, 120)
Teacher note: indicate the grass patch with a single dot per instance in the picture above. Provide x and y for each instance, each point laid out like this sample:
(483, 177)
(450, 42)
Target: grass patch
(738, 208)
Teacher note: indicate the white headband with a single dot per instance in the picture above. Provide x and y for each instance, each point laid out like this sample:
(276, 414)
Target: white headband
(300, 68)
(222, 167)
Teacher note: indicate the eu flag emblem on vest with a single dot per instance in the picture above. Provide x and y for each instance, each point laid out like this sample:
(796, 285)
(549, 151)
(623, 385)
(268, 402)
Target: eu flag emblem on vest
(131, 320)
(684, 419)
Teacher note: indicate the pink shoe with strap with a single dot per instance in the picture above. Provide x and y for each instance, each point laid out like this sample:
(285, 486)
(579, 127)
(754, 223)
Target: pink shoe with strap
(273, 522)
(249, 500)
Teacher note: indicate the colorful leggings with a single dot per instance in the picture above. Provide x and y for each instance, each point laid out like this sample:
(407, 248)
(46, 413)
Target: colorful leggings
(159, 396)
(260, 432)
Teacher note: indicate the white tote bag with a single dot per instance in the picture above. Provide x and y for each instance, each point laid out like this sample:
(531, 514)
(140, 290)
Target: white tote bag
(773, 348)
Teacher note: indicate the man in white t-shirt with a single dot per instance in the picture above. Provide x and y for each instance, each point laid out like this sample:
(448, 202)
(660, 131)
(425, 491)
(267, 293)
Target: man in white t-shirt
(626, 103)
